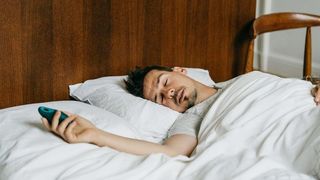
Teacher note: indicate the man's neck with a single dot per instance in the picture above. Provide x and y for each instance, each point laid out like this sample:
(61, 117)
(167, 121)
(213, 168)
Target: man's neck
(204, 93)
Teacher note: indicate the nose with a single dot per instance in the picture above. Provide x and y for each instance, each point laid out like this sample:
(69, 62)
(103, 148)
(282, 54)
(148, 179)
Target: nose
(169, 93)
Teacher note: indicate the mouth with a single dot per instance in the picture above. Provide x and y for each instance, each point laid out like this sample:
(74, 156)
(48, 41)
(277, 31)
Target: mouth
(180, 96)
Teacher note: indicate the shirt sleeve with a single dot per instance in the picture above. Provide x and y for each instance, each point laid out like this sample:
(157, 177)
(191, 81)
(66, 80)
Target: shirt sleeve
(187, 123)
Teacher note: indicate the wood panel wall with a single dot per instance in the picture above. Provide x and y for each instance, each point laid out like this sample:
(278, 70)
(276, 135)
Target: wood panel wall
(45, 45)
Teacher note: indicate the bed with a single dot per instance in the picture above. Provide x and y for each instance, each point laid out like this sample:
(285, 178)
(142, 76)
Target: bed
(73, 56)
(243, 136)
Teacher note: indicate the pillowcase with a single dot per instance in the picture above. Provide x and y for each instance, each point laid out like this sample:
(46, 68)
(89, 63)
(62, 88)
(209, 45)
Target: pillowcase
(151, 119)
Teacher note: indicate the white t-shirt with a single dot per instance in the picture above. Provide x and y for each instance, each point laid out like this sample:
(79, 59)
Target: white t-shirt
(189, 122)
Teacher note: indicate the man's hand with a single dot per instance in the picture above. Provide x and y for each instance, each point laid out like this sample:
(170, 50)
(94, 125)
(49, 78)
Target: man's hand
(74, 129)
(316, 94)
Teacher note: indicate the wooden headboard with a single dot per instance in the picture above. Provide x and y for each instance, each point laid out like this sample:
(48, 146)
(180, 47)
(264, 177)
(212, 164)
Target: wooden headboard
(45, 45)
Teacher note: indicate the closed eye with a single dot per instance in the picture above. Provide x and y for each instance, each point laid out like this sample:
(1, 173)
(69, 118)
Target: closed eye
(166, 82)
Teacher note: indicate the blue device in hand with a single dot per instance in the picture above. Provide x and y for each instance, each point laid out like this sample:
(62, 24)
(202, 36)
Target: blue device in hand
(48, 113)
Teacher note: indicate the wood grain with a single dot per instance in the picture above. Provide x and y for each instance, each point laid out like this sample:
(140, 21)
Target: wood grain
(45, 45)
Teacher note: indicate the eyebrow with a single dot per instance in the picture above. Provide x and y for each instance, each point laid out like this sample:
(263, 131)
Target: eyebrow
(158, 81)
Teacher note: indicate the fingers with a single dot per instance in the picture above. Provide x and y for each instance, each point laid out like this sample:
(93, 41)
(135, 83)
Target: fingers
(45, 123)
(69, 133)
(317, 97)
(59, 128)
(65, 129)
(316, 94)
(55, 121)
(64, 124)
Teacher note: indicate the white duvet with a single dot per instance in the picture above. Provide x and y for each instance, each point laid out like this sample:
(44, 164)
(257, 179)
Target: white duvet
(261, 127)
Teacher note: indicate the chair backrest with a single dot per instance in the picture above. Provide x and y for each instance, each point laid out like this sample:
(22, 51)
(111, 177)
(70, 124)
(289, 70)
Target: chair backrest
(283, 21)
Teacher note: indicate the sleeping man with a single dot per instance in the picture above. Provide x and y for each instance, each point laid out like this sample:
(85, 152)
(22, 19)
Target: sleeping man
(162, 85)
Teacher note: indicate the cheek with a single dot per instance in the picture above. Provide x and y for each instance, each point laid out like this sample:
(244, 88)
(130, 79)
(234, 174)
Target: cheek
(169, 104)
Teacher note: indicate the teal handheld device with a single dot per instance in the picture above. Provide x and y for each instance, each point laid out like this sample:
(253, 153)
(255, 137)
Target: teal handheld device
(48, 113)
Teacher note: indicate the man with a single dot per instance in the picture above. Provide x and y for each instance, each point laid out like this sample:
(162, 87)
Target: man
(162, 85)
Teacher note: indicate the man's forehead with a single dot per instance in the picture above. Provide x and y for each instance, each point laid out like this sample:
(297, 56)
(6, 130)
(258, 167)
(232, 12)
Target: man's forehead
(149, 82)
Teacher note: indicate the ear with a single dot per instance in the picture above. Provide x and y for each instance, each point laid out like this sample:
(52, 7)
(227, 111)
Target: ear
(180, 70)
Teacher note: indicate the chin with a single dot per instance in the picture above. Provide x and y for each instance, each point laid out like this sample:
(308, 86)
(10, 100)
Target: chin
(179, 109)
(182, 111)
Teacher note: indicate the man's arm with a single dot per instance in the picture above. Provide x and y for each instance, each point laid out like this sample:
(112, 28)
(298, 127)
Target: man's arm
(316, 94)
(175, 145)
(76, 129)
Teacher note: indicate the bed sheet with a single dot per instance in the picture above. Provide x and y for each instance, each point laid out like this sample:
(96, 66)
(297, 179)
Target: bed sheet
(261, 127)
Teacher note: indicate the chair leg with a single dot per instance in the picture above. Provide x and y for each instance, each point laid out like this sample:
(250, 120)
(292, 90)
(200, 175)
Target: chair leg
(249, 63)
(307, 55)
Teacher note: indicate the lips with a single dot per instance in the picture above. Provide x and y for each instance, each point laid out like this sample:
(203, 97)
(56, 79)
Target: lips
(180, 96)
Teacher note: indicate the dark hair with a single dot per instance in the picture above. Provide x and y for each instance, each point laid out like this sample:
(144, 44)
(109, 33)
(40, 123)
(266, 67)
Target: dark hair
(134, 82)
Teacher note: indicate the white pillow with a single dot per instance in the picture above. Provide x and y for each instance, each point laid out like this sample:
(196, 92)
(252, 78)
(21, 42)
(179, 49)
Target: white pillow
(153, 120)
(201, 75)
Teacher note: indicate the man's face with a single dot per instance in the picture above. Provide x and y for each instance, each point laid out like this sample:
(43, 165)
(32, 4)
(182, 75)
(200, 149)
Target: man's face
(172, 89)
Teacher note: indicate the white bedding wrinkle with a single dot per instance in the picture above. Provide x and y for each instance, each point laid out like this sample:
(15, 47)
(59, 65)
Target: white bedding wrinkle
(261, 127)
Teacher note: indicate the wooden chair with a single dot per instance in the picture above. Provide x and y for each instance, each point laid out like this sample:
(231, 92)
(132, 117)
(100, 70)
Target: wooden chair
(284, 21)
